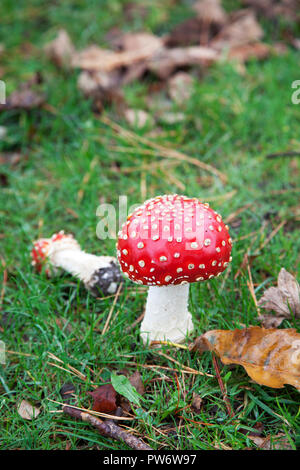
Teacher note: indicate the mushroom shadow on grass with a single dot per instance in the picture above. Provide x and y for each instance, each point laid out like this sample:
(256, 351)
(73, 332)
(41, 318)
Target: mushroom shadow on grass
(167, 243)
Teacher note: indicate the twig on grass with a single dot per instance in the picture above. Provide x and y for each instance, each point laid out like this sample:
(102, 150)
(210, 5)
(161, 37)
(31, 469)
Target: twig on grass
(106, 326)
(222, 387)
(107, 428)
(283, 154)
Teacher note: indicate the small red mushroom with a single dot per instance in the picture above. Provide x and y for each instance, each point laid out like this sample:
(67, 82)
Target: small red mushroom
(167, 243)
(100, 274)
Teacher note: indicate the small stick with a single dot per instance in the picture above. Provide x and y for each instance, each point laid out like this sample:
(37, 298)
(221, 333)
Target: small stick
(107, 428)
(222, 387)
(283, 154)
(111, 310)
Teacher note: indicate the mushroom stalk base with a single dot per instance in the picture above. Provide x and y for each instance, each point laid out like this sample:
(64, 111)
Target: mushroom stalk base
(167, 316)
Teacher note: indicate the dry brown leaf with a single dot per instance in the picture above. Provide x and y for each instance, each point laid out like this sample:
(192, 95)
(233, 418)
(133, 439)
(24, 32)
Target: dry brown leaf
(180, 87)
(90, 82)
(242, 28)
(137, 47)
(26, 97)
(27, 411)
(197, 403)
(166, 61)
(210, 11)
(141, 41)
(257, 50)
(61, 49)
(270, 357)
(136, 381)
(282, 299)
(104, 399)
(137, 117)
(278, 442)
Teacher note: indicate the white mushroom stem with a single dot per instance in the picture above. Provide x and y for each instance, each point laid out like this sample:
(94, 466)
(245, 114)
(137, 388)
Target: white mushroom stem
(66, 254)
(167, 316)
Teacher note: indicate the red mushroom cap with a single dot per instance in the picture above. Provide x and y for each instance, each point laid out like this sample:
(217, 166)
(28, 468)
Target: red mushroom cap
(41, 249)
(173, 239)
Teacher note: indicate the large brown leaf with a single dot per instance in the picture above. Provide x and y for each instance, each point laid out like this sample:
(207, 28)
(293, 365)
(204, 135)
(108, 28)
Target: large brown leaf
(270, 356)
(283, 299)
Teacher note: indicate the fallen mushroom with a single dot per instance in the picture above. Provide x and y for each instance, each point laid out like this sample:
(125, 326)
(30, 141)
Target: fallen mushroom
(167, 243)
(100, 274)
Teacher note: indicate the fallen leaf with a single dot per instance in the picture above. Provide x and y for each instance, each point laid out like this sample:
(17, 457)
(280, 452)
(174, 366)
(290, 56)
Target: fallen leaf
(141, 41)
(66, 392)
(278, 442)
(27, 411)
(187, 33)
(210, 11)
(245, 52)
(271, 357)
(104, 399)
(242, 28)
(137, 47)
(26, 97)
(61, 49)
(197, 403)
(123, 386)
(136, 381)
(89, 83)
(283, 299)
(180, 87)
(137, 117)
(164, 62)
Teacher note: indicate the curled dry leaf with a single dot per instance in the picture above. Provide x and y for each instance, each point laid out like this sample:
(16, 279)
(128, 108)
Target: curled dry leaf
(270, 357)
(27, 411)
(283, 299)
(61, 49)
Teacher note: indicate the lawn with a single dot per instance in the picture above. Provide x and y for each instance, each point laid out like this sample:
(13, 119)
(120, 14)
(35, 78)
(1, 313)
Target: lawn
(72, 160)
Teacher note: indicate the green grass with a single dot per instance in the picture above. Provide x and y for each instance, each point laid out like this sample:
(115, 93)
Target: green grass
(232, 122)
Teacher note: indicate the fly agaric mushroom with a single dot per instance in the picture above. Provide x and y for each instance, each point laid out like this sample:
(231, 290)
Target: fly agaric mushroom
(167, 243)
(98, 273)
